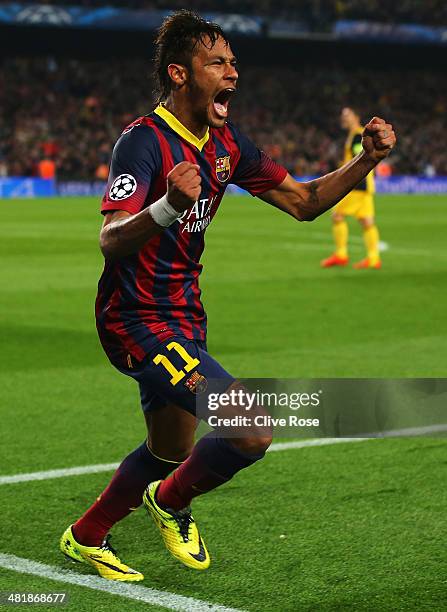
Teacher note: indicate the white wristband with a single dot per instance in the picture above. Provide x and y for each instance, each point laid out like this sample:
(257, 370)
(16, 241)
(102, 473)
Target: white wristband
(163, 213)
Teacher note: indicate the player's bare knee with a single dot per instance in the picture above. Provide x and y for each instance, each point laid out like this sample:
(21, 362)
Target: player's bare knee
(242, 421)
(181, 454)
(177, 453)
(258, 436)
(337, 218)
(253, 445)
(366, 222)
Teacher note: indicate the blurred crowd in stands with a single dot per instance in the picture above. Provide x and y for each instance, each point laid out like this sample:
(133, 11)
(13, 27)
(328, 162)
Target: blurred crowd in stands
(318, 13)
(69, 113)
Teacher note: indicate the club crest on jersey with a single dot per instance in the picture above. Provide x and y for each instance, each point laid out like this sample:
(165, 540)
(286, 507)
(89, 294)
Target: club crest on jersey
(223, 168)
(196, 383)
(122, 187)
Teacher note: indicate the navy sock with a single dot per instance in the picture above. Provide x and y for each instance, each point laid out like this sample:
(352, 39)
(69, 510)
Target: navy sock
(123, 494)
(213, 462)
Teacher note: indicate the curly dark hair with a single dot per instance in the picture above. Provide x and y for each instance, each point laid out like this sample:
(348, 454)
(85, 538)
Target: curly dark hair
(176, 42)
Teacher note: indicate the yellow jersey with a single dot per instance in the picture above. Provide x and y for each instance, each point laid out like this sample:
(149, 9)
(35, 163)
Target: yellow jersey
(353, 146)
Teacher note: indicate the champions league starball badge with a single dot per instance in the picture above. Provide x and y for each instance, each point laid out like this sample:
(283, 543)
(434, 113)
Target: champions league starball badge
(122, 187)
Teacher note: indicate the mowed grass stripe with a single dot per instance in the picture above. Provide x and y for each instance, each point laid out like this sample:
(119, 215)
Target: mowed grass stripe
(171, 601)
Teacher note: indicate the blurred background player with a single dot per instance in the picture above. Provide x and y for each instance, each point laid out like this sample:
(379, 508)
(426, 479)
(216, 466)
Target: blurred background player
(358, 203)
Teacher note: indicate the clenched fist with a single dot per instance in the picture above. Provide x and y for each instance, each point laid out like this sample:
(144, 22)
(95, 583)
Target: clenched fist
(184, 185)
(378, 139)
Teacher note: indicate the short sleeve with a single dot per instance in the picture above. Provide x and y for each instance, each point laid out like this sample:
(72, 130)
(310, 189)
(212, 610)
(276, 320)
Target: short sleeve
(256, 172)
(136, 162)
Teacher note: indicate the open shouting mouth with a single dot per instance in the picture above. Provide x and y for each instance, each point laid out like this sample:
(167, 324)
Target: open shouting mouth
(221, 101)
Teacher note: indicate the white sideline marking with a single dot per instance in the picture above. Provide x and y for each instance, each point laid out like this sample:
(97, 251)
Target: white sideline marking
(281, 446)
(320, 237)
(74, 471)
(171, 601)
(411, 431)
(391, 433)
(316, 246)
(106, 467)
(277, 446)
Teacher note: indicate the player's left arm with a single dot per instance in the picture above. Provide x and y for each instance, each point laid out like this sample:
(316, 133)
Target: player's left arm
(306, 201)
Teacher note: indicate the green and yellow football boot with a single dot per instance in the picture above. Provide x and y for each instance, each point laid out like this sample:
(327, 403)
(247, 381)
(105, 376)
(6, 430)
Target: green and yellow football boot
(179, 531)
(103, 558)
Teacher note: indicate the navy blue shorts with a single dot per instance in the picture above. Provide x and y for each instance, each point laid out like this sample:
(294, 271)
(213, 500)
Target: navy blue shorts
(176, 371)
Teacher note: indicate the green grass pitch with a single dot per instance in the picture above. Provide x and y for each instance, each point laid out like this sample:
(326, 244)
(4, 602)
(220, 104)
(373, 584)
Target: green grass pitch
(347, 527)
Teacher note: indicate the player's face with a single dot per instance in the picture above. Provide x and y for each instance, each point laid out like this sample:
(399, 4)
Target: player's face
(347, 118)
(213, 82)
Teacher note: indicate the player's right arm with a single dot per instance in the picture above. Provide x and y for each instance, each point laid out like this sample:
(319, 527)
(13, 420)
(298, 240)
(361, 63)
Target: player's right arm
(136, 163)
(124, 233)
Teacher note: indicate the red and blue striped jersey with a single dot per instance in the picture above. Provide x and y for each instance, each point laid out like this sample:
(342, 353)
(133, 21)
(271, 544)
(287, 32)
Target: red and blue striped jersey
(149, 296)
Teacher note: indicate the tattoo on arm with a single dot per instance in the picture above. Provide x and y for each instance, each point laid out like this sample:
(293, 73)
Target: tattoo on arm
(311, 208)
(313, 194)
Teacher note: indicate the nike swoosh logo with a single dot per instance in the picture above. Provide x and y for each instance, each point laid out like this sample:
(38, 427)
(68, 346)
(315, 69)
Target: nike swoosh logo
(109, 565)
(151, 502)
(201, 555)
